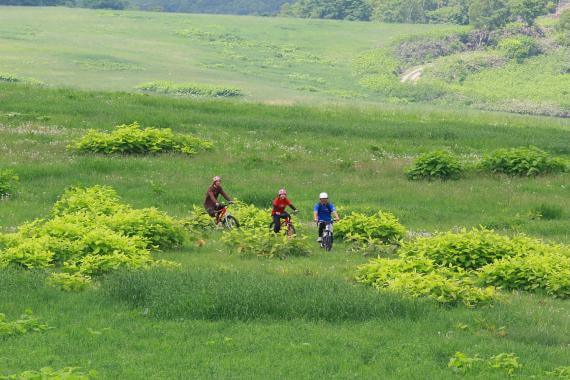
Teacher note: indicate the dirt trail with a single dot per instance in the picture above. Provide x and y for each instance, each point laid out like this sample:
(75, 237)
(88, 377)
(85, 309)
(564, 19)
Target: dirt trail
(412, 75)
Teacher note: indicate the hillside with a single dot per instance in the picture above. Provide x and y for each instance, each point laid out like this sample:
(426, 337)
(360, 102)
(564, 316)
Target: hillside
(273, 60)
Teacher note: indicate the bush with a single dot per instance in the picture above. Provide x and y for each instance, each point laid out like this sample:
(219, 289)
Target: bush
(131, 139)
(463, 267)
(26, 323)
(193, 89)
(73, 282)
(419, 277)
(522, 161)
(519, 47)
(435, 165)
(379, 228)
(534, 272)
(457, 68)
(91, 232)
(8, 182)
(264, 242)
(473, 249)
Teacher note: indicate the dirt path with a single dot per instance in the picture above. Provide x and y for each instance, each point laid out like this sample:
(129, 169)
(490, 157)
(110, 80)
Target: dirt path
(412, 75)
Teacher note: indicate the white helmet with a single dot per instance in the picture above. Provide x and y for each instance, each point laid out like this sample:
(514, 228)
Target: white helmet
(323, 196)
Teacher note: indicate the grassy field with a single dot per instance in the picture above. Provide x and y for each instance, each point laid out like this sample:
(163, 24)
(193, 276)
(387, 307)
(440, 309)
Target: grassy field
(259, 318)
(270, 59)
(274, 60)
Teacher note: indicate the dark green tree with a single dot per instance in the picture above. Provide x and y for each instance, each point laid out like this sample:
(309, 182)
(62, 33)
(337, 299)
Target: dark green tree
(488, 14)
(528, 10)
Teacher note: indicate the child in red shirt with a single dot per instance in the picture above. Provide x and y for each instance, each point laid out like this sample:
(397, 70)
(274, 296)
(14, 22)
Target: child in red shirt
(279, 205)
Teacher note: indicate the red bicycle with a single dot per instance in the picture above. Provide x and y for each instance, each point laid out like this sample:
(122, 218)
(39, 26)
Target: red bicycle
(286, 225)
(225, 218)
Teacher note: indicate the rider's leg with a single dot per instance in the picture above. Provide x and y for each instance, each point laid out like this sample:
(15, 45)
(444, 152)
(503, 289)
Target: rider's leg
(276, 223)
(321, 229)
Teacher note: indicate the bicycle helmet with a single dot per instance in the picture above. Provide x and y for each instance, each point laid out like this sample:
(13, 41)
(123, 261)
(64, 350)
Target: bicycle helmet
(282, 192)
(323, 196)
(216, 178)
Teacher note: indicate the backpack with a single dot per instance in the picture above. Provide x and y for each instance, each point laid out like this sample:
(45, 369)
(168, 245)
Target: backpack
(328, 206)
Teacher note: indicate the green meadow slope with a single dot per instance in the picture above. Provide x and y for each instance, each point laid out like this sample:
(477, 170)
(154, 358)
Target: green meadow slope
(274, 60)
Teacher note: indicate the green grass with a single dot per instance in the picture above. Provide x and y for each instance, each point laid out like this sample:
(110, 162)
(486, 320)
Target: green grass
(270, 59)
(222, 316)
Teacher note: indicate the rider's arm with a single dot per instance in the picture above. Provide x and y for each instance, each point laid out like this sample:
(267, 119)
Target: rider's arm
(335, 215)
(212, 196)
(315, 216)
(226, 196)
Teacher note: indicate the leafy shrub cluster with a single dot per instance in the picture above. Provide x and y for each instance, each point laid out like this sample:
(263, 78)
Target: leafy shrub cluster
(264, 242)
(193, 89)
(522, 161)
(456, 68)
(90, 233)
(132, 139)
(48, 373)
(509, 362)
(25, 324)
(8, 182)
(438, 164)
(10, 78)
(379, 228)
(519, 47)
(464, 266)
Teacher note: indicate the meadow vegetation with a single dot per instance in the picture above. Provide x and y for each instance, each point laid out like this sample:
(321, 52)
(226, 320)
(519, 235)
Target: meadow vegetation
(303, 305)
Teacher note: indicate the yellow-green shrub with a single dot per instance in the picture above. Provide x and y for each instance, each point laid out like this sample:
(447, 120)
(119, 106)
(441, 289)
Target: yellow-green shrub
(534, 272)
(26, 323)
(522, 161)
(263, 242)
(381, 227)
(419, 277)
(132, 139)
(70, 282)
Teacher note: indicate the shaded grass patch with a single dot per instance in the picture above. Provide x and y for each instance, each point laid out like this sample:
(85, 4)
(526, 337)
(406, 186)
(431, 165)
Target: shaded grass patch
(219, 295)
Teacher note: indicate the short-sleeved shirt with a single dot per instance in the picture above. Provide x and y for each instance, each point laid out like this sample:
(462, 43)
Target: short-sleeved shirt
(324, 212)
(279, 205)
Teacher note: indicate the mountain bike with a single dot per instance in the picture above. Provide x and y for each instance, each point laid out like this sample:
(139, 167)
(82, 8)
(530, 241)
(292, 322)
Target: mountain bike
(286, 225)
(226, 219)
(327, 238)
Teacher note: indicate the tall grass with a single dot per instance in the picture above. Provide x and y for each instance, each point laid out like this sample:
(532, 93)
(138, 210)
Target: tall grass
(234, 295)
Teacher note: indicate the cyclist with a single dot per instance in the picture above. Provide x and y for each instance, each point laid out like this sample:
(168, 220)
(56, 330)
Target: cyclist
(323, 212)
(279, 204)
(211, 203)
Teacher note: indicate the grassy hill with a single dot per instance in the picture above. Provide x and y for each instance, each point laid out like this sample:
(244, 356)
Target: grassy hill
(274, 60)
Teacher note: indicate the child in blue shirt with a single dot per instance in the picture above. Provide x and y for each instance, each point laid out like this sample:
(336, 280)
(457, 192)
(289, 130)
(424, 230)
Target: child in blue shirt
(324, 212)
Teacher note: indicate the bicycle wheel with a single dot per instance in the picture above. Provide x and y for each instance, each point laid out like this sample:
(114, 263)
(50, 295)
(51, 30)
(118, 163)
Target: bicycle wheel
(230, 222)
(291, 230)
(327, 241)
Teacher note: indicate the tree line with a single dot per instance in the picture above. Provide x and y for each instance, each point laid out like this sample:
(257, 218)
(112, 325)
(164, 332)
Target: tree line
(480, 13)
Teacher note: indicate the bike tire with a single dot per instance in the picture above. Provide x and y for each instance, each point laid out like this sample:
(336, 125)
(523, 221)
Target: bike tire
(327, 242)
(291, 230)
(230, 222)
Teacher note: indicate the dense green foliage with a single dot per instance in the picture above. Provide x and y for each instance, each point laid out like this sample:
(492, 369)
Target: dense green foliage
(90, 233)
(439, 164)
(132, 139)
(519, 48)
(327, 9)
(8, 182)
(25, 324)
(379, 228)
(263, 242)
(450, 267)
(522, 161)
(192, 89)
